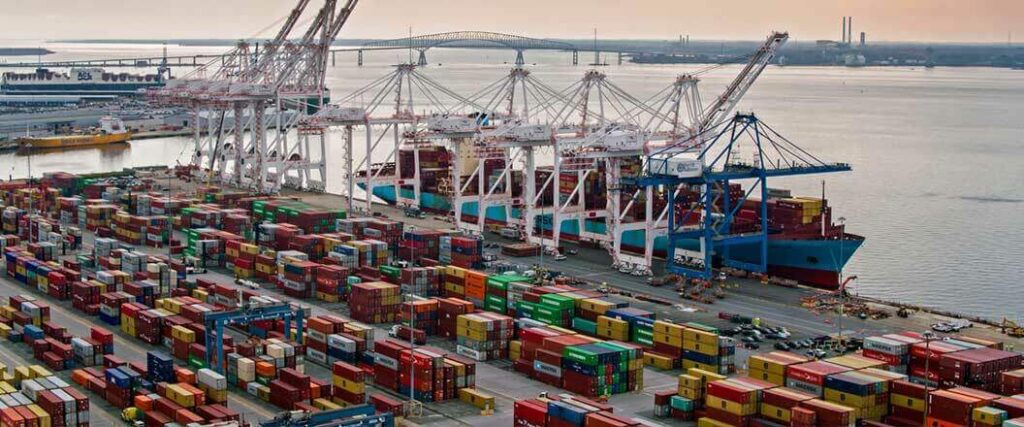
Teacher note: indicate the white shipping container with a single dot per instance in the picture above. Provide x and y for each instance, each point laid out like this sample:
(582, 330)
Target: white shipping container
(885, 345)
(212, 379)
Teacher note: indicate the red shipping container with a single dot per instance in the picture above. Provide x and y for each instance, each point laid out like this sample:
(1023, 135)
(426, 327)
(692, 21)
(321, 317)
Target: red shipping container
(830, 414)
(1013, 406)
(728, 418)
(951, 407)
(909, 389)
(813, 372)
(530, 413)
(731, 391)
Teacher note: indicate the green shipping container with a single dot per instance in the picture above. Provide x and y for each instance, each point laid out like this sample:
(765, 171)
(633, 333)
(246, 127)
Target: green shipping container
(526, 309)
(585, 326)
(701, 327)
(495, 304)
(681, 403)
(558, 301)
(581, 355)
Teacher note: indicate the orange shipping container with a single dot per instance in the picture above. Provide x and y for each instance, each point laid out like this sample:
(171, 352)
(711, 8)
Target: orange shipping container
(265, 369)
(184, 376)
(143, 402)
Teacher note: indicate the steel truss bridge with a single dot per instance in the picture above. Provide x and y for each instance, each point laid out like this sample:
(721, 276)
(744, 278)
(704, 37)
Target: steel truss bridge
(466, 40)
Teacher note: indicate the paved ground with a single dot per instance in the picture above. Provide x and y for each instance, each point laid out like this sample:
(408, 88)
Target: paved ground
(775, 305)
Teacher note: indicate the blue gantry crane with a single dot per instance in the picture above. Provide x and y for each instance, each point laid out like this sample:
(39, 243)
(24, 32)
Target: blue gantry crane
(704, 166)
(216, 321)
(353, 416)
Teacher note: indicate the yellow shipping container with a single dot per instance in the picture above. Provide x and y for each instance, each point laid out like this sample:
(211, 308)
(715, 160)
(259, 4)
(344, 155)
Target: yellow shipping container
(454, 271)
(691, 393)
(701, 347)
(690, 381)
(180, 396)
(473, 334)
(5, 330)
(663, 338)
(689, 364)
(777, 379)
(200, 294)
(703, 337)
(729, 406)
(775, 362)
(39, 371)
(708, 422)
(324, 404)
(906, 402)
(667, 328)
(658, 361)
(349, 386)
(612, 334)
(216, 396)
(705, 376)
(183, 334)
(850, 400)
(44, 418)
(988, 416)
(596, 305)
(605, 322)
(248, 248)
(515, 350)
(476, 398)
(775, 412)
(6, 387)
(456, 289)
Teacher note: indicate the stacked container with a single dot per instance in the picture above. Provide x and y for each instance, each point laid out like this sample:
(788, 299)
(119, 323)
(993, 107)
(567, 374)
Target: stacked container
(330, 283)
(449, 310)
(454, 282)
(772, 366)
(892, 351)
(866, 394)
(421, 281)
(483, 336)
(349, 383)
(374, 302)
(703, 348)
(810, 377)
(734, 401)
(420, 314)
(979, 368)
(949, 408)
(777, 404)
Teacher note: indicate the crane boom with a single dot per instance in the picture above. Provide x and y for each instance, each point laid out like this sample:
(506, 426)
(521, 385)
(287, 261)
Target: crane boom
(726, 102)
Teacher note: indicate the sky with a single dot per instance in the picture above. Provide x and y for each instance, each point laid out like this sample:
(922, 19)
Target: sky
(969, 21)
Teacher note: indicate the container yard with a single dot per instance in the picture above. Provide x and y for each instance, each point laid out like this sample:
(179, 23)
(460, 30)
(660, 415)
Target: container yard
(472, 285)
(463, 342)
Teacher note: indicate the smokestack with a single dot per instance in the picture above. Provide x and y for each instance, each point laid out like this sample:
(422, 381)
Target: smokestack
(863, 39)
(849, 29)
(843, 35)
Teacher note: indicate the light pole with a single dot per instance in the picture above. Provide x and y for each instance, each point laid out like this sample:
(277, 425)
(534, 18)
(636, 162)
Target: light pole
(842, 288)
(928, 336)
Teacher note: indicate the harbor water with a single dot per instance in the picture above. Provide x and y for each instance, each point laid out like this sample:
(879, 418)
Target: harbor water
(937, 187)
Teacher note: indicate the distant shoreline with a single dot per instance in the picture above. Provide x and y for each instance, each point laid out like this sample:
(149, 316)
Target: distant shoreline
(24, 51)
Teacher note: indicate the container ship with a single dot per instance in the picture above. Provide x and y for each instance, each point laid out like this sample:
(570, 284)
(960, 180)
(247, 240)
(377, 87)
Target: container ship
(804, 244)
(111, 131)
(79, 81)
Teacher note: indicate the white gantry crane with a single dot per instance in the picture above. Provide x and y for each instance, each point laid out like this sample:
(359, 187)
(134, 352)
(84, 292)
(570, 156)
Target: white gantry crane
(249, 108)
